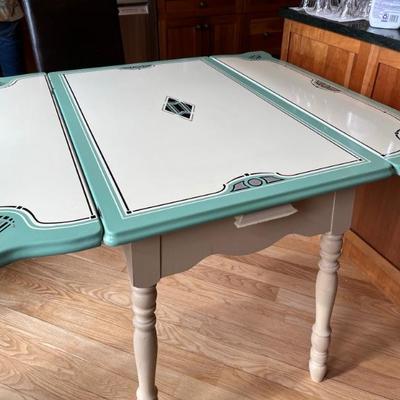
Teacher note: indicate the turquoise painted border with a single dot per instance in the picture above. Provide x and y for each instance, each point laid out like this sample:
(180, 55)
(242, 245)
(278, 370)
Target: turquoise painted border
(120, 228)
(261, 55)
(24, 237)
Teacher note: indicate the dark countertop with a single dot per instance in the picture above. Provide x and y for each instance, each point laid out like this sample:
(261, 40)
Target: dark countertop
(361, 30)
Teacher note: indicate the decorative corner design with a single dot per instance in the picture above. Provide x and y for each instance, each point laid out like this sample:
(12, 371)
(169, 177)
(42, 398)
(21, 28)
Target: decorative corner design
(324, 86)
(6, 222)
(138, 67)
(179, 108)
(250, 181)
(255, 57)
(397, 134)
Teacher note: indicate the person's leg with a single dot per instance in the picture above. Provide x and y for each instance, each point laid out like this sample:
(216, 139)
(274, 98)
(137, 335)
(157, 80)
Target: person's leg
(11, 60)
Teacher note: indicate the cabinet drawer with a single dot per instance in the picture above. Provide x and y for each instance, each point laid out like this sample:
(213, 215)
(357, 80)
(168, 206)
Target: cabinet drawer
(259, 26)
(199, 7)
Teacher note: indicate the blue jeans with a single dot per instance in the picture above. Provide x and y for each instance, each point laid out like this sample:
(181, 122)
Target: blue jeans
(11, 59)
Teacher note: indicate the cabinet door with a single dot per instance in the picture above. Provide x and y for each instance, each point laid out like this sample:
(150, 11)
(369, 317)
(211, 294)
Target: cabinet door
(376, 215)
(325, 53)
(222, 35)
(181, 37)
(136, 38)
(264, 33)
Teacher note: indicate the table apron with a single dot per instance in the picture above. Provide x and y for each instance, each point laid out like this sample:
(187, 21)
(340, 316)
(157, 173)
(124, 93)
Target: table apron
(151, 259)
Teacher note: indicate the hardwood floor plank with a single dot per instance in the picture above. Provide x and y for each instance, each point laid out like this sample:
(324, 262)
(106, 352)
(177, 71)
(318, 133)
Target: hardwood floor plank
(77, 276)
(107, 257)
(285, 275)
(63, 368)
(269, 318)
(8, 393)
(37, 384)
(258, 365)
(230, 328)
(377, 331)
(346, 355)
(250, 286)
(301, 258)
(74, 312)
(304, 244)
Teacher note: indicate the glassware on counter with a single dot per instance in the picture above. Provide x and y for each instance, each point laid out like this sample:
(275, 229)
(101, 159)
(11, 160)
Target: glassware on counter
(339, 10)
(307, 3)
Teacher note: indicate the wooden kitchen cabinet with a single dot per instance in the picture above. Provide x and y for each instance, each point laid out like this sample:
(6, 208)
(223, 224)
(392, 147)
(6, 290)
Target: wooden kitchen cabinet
(181, 37)
(324, 53)
(377, 212)
(200, 36)
(222, 34)
(223, 26)
(373, 71)
(264, 33)
(263, 27)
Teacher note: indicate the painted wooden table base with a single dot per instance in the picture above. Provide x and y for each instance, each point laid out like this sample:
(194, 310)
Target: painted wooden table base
(179, 170)
(152, 259)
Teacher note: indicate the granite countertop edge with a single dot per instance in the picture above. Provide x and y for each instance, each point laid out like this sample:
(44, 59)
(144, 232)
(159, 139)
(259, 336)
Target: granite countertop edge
(361, 30)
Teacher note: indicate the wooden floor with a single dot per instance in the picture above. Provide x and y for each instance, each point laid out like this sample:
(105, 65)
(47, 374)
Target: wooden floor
(230, 328)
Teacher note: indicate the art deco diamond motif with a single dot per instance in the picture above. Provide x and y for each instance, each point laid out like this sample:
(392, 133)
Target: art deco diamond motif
(5, 222)
(180, 108)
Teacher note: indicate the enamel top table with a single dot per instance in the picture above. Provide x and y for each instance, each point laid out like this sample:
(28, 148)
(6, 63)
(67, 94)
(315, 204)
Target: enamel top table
(184, 159)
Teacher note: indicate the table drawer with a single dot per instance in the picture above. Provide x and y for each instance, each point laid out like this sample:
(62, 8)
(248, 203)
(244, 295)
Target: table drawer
(199, 7)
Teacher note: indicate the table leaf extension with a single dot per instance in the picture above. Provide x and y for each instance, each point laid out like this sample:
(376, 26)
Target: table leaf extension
(45, 206)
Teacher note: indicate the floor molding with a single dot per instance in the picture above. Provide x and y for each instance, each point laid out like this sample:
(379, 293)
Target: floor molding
(381, 273)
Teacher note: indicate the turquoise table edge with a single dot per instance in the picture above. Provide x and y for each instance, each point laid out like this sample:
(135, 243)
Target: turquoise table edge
(21, 236)
(120, 228)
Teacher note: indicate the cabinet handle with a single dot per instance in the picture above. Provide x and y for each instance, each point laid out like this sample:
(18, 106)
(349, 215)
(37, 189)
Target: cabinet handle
(205, 26)
(203, 4)
(198, 27)
(266, 34)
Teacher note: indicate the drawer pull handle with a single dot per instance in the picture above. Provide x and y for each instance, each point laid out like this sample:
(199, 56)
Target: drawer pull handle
(205, 26)
(269, 214)
(203, 4)
(266, 34)
(198, 27)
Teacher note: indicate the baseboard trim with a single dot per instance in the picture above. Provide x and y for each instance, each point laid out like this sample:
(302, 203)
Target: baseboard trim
(381, 273)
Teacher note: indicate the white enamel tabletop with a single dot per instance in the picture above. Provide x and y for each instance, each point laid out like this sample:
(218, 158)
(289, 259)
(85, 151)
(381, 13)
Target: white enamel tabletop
(372, 126)
(38, 171)
(156, 157)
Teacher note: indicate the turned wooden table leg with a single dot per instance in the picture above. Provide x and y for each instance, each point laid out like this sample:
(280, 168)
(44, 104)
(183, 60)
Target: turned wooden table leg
(325, 294)
(145, 341)
(144, 268)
